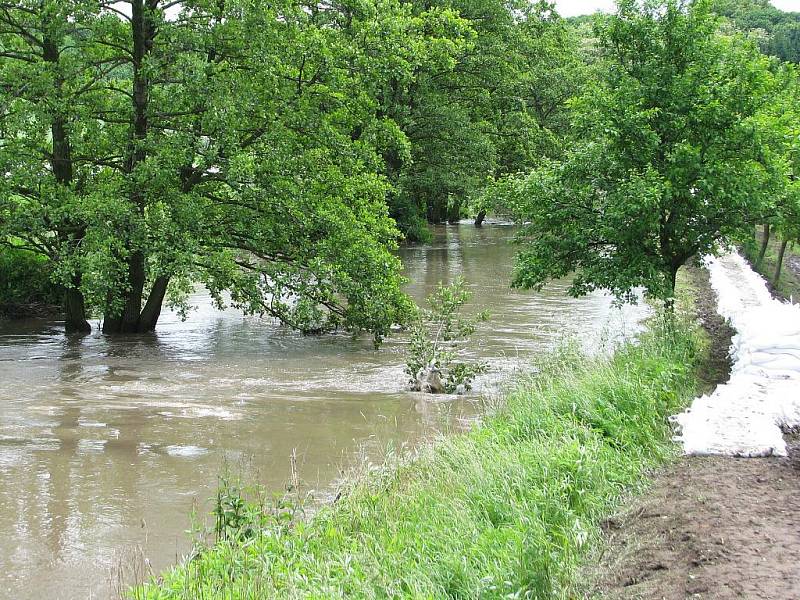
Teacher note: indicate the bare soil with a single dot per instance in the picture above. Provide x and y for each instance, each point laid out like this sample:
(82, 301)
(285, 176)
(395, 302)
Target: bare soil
(709, 527)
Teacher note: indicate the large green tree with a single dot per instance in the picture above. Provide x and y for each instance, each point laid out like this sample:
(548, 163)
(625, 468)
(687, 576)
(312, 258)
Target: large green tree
(497, 106)
(149, 145)
(673, 161)
(782, 122)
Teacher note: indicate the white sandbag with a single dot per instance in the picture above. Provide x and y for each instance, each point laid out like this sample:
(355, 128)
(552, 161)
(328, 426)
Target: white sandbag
(744, 417)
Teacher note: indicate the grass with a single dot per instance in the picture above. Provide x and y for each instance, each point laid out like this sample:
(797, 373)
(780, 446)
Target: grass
(507, 510)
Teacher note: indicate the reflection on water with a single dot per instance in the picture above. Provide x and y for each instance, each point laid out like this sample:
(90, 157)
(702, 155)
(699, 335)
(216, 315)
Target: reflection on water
(105, 443)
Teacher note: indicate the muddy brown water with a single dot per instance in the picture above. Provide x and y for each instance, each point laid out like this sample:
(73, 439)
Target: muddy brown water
(105, 443)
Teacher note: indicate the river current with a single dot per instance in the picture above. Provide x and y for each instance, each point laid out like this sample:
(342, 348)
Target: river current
(107, 443)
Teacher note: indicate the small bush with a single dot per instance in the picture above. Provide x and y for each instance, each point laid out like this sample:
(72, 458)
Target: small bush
(438, 338)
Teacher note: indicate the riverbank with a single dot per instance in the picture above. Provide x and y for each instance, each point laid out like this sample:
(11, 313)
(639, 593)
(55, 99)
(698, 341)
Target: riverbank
(788, 285)
(32, 310)
(709, 527)
(511, 507)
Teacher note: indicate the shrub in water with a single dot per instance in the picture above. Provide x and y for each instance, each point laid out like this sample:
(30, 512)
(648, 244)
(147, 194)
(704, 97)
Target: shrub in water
(435, 359)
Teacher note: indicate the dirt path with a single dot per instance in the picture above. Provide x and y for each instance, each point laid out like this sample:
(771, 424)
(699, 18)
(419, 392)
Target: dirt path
(710, 527)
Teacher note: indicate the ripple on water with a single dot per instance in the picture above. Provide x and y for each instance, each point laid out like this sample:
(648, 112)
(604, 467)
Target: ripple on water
(202, 412)
(85, 445)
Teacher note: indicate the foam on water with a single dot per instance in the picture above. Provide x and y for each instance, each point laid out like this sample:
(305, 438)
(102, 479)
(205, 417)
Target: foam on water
(186, 451)
(744, 417)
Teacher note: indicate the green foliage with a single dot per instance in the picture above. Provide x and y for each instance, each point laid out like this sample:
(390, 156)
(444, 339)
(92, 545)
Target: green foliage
(497, 106)
(778, 32)
(505, 511)
(242, 513)
(438, 337)
(267, 151)
(674, 157)
(236, 144)
(24, 280)
(785, 41)
(783, 119)
(788, 286)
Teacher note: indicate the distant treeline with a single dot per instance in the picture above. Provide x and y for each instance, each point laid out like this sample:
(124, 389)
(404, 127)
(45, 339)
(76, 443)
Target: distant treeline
(778, 32)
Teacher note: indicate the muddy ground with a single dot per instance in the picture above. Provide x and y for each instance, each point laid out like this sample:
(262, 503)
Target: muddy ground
(709, 527)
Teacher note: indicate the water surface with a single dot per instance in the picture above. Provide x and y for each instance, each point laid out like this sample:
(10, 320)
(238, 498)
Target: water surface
(105, 443)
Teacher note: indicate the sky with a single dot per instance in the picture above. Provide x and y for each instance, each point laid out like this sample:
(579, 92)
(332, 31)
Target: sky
(570, 8)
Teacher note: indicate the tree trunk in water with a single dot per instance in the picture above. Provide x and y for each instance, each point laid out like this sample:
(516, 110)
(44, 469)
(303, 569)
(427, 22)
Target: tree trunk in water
(437, 210)
(782, 251)
(143, 32)
(128, 321)
(479, 219)
(152, 308)
(454, 212)
(764, 243)
(75, 312)
(134, 318)
(61, 163)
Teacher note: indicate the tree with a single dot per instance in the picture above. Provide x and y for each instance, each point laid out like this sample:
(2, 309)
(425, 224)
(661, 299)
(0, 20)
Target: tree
(785, 41)
(782, 120)
(778, 32)
(149, 145)
(672, 162)
(497, 106)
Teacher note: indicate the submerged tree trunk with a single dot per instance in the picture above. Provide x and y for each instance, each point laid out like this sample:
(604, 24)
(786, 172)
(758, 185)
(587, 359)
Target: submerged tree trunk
(75, 311)
(152, 308)
(143, 32)
(454, 211)
(138, 321)
(781, 252)
(127, 321)
(61, 163)
(133, 303)
(764, 243)
(437, 211)
(480, 217)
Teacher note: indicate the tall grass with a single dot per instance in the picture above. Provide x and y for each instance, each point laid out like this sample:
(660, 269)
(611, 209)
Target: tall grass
(505, 511)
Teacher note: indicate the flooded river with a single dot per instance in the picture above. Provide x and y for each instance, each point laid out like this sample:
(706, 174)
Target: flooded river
(105, 443)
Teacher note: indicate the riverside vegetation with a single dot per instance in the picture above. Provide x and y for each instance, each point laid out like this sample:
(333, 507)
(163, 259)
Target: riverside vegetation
(507, 510)
(434, 360)
(278, 153)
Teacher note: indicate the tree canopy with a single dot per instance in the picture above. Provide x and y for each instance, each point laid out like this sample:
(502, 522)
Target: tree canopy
(148, 145)
(277, 154)
(274, 153)
(777, 31)
(497, 108)
(671, 157)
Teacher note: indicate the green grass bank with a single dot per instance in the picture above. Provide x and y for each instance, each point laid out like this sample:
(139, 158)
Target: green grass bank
(508, 510)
